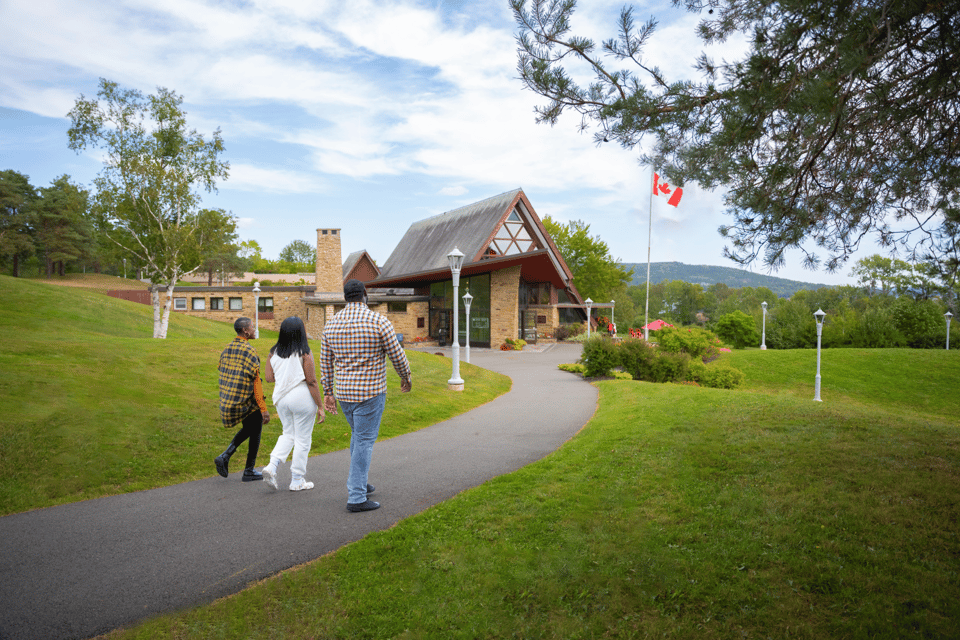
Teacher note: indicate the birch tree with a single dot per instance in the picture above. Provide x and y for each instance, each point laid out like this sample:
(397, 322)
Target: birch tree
(148, 193)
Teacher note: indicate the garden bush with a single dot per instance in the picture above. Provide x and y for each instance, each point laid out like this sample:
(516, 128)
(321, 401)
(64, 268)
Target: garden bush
(694, 341)
(738, 329)
(599, 357)
(717, 376)
(636, 358)
(670, 367)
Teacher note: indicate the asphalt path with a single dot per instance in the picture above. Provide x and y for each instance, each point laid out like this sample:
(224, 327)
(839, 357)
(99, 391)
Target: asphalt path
(83, 569)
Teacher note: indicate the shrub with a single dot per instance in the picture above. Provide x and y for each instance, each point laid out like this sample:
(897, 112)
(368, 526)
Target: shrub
(693, 341)
(562, 332)
(738, 329)
(572, 368)
(670, 367)
(599, 357)
(717, 376)
(636, 358)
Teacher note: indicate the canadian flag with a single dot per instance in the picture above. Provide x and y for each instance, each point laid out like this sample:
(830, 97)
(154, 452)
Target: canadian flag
(663, 189)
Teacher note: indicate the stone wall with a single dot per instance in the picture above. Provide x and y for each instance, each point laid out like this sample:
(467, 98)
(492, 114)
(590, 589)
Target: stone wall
(504, 305)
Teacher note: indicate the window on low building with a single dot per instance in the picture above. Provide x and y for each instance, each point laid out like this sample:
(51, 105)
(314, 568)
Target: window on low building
(180, 304)
(397, 307)
(216, 304)
(265, 305)
(199, 304)
(236, 304)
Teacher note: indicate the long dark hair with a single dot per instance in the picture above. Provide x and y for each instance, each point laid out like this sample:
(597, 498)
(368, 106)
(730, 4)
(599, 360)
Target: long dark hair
(292, 339)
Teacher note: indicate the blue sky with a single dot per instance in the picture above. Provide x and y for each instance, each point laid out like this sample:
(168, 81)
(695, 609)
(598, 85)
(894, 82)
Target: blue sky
(366, 115)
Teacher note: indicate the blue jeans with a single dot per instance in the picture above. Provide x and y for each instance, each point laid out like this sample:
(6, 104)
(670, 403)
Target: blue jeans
(364, 420)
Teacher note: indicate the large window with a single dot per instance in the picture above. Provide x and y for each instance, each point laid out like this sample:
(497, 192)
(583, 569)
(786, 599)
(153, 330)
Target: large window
(441, 310)
(180, 304)
(236, 304)
(199, 304)
(216, 304)
(265, 305)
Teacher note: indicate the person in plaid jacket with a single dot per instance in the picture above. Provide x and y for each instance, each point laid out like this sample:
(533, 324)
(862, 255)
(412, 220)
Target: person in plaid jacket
(241, 399)
(354, 348)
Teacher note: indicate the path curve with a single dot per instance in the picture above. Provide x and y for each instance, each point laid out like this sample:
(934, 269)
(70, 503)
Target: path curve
(83, 569)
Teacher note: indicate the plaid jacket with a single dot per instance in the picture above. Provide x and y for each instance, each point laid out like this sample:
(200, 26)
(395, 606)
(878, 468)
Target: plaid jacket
(352, 350)
(241, 390)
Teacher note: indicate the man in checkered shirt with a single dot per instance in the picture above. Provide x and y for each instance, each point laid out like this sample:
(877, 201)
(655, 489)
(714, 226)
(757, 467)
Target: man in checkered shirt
(354, 345)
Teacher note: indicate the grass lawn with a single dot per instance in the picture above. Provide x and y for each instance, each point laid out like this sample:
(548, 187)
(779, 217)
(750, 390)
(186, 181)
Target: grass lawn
(94, 406)
(677, 512)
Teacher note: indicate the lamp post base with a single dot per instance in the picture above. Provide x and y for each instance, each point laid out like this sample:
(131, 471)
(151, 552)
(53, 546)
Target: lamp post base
(454, 386)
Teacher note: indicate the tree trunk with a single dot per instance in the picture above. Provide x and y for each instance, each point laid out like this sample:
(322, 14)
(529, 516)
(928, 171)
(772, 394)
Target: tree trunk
(165, 321)
(155, 299)
(16, 265)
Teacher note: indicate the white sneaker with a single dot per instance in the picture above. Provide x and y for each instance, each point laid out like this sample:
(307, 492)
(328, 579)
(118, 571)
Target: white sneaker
(300, 485)
(270, 477)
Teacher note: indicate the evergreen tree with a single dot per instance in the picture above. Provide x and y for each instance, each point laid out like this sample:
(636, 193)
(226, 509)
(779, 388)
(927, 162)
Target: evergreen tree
(841, 117)
(64, 230)
(17, 198)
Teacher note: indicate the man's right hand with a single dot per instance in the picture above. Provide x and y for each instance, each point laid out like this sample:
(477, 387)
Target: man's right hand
(330, 404)
(405, 386)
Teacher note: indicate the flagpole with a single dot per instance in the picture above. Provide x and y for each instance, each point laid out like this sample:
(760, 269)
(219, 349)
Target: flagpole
(646, 311)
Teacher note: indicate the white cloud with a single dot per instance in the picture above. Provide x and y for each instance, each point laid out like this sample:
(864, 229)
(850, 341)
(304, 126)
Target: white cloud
(245, 177)
(453, 191)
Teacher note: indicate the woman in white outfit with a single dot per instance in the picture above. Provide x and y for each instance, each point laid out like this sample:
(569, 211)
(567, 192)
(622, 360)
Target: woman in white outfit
(297, 399)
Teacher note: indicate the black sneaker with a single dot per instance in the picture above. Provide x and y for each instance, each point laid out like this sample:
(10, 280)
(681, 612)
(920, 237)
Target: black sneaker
(369, 505)
(370, 489)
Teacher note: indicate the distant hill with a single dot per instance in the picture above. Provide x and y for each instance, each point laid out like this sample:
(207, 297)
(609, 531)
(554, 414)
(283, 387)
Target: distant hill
(708, 274)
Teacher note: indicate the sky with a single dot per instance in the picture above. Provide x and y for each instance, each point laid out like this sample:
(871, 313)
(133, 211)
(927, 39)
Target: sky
(367, 115)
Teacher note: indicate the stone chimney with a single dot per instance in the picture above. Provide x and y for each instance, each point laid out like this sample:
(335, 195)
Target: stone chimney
(329, 262)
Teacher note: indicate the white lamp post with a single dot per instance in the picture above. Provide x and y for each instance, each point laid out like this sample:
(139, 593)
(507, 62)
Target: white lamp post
(819, 316)
(948, 316)
(467, 299)
(256, 309)
(763, 339)
(124, 268)
(589, 304)
(613, 318)
(455, 258)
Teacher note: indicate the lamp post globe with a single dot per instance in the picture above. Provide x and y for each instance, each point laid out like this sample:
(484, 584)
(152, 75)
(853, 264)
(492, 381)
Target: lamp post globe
(256, 309)
(948, 316)
(467, 299)
(455, 260)
(819, 315)
(589, 305)
(763, 338)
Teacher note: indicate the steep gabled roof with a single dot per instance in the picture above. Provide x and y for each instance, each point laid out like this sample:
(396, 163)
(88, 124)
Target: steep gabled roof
(426, 244)
(504, 228)
(361, 266)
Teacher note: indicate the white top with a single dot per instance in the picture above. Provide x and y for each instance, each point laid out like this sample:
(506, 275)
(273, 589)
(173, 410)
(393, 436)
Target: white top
(288, 373)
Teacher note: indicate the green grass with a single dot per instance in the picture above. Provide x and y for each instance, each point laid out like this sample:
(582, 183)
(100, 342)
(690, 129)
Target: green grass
(93, 406)
(677, 512)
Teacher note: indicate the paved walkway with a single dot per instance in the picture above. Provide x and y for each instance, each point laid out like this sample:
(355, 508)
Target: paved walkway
(83, 569)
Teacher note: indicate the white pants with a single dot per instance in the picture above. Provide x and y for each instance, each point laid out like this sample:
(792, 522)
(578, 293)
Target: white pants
(297, 412)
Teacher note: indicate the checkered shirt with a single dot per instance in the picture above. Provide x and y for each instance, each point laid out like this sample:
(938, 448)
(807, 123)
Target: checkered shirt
(353, 349)
(239, 382)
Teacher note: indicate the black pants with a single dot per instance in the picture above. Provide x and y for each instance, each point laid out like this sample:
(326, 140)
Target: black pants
(252, 429)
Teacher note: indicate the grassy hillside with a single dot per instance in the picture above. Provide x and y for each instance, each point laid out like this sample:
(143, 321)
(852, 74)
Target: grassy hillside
(93, 406)
(710, 274)
(677, 512)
